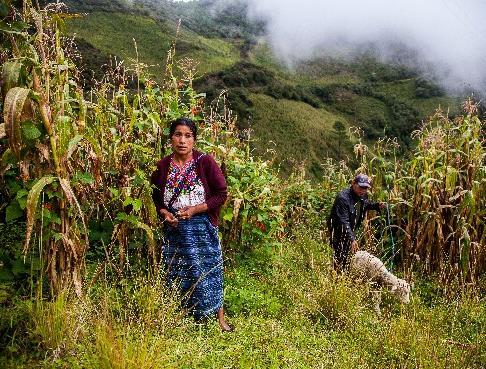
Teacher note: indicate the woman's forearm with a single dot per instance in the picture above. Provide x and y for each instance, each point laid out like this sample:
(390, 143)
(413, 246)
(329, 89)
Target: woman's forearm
(201, 208)
(188, 212)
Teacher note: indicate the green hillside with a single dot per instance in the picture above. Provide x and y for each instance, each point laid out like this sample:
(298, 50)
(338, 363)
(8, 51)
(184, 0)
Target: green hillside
(116, 34)
(381, 99)
(296, 131)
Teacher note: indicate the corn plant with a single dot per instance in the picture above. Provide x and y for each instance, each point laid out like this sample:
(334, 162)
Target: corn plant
(42, 112)
(443, 197)
(82, 159)
(437, 196)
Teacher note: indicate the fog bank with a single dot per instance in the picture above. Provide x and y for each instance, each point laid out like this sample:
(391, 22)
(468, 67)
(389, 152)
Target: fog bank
(443, 37)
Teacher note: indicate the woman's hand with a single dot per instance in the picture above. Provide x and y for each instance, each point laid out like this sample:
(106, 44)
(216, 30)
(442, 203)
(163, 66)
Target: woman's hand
(169, 217)
(189, 211)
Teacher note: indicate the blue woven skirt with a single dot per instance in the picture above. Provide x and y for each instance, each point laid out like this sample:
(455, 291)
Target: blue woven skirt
(194, 264)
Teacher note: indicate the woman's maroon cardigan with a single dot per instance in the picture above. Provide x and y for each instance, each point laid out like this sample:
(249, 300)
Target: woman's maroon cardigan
(211, 177)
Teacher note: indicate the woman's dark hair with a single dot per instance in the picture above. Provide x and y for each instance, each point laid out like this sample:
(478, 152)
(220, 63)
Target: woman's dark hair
(183, 121)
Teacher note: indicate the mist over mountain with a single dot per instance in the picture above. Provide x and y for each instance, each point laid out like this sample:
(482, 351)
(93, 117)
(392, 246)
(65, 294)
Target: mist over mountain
(445, 38)
(341, 76)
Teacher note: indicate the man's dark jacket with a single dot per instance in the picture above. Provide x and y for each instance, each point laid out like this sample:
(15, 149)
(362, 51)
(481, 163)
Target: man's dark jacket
(347, 214)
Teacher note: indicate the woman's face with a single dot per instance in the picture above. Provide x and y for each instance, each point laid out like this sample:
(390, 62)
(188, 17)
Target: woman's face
(182, 140)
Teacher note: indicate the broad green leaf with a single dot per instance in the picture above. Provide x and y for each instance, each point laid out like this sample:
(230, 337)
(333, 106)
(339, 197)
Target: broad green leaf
(228, 215)
(10, 74)
(84, 178)
(30, 131)
(137, 204)
(127, 201)
(121, 216)
(115, 192)
(22, 198)
(13, 211)
(22, 193)
(8, 158)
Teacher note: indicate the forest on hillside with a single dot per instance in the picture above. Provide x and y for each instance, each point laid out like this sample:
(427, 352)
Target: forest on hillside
(81, 283)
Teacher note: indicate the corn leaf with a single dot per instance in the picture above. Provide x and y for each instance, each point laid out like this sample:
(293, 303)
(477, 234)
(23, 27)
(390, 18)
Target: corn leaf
(73, 143)
(14, 104)
(148, 231)
(464, 249)
(32, 200)
(68, 191)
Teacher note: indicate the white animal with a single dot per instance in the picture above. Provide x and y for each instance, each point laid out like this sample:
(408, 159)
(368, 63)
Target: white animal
(368, 267)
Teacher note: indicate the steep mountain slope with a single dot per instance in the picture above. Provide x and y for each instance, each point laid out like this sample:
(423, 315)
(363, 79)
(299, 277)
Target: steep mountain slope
(117, 34)
(302, 110)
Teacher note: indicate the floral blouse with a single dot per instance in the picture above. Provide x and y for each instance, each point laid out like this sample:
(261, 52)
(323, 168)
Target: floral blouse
(192, 190)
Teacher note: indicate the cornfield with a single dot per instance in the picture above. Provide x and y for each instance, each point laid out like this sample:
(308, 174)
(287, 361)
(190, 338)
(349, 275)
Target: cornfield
(443, 197)
(80, 161)
(78, 164)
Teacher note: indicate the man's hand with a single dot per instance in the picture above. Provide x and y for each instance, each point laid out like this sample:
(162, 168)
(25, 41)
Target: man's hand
(354, 247)
(169, 217)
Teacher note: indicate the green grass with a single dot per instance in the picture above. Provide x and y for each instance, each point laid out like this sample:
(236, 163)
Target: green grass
(427, 107)
(404, 89)
(321, 72)
(289, 310)
(116, 32)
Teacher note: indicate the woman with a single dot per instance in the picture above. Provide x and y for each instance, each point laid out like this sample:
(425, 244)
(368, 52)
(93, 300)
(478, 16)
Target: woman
(189, 192)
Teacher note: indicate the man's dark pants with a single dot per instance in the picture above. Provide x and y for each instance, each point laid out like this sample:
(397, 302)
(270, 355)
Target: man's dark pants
(341, 246)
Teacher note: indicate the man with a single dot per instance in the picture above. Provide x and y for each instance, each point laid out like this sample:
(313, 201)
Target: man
(347, 213)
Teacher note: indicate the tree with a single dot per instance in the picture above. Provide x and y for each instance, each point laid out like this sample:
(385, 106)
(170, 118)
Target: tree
(339, 132)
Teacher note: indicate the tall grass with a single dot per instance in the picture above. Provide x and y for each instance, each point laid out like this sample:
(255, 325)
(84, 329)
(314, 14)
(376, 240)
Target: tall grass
(289, 309)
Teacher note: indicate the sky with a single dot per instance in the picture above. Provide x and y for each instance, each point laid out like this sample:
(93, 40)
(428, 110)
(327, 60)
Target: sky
(447, 37)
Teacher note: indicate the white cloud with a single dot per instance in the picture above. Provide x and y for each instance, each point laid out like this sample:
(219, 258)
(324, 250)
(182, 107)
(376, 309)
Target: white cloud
(450, 35)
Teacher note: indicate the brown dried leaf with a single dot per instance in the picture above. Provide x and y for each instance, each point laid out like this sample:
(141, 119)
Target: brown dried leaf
(31, 206)
(68, 191)
(13, 107)
(44, 151)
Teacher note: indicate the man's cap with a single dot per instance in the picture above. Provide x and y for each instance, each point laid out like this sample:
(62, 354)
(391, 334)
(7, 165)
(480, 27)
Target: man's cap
(362, 180)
